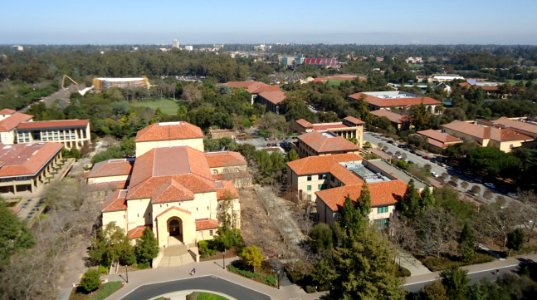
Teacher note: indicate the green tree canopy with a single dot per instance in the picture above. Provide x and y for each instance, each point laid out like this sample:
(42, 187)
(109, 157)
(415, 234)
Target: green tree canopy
(146, 247)
(14, 235)
(252, 257)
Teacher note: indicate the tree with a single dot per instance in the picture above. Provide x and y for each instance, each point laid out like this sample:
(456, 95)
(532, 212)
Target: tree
(292, 155)
(14, 235)
(435, 291)
(321, 237)
(456, 283)
(409, 205)
(515, 239)
(364, 268)
(110, 245)
(363, 204)
(426, 199)
(146, 247)
(467, 244)
(91, 280)
(252, 257)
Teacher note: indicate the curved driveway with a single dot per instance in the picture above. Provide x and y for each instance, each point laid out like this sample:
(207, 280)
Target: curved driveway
(207, 283)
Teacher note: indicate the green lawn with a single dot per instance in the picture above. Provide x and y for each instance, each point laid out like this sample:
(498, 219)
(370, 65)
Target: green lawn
(167, 106)
(104, 291)
(204, 296)
(514, 81)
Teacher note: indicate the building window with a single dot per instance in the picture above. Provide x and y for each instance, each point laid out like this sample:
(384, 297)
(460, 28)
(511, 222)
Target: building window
(308, 187)
(382, 209)
(309, 178)
(320, 187)
(309, 197)
(323, 176)
(381, 223)
(211, 232)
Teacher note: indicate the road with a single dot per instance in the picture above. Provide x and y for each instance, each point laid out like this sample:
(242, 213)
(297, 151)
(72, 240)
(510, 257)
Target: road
(377, 139)
(208, 283)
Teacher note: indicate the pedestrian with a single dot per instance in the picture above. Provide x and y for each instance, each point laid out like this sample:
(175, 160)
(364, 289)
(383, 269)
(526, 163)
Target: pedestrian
(193, 271)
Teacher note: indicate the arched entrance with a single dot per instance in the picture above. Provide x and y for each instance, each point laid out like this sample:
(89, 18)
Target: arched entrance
(175, 228)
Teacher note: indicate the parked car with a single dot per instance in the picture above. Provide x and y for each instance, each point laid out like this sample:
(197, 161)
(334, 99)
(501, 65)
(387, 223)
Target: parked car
(435, 175)
(490, 185)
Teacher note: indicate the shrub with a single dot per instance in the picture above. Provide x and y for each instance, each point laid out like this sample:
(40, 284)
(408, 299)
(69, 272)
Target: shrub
(310, 289)
(90, 281)
(103, 269)
(252, 257)
(402, 272)
(205, 249)
(270, 280)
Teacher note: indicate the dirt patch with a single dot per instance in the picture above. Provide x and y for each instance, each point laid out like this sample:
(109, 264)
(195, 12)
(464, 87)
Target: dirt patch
(257, 228)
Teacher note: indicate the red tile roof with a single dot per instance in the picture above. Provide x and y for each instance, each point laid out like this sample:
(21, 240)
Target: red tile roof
(74, 123)
(395, 102)
(137, 231)
(169, 131)
(9, 123)
(303, 123)
(111, 167)
(116, 202)
(224, 159)
(507, 135)
(322, 143)
(159, 167)
(485, 132)
(226, 190)
(114, 185)
(274, 97)
(252, 87)
(345, 176)
(524, 127)
(382, 194)
(439, 136)
(393, 117)
(320, 164)
(205, 224)
(26, 159)
(354, 120)
(7, 111)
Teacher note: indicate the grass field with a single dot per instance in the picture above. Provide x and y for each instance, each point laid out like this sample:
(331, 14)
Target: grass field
(204, 296)
(513, 81)
(167, 106)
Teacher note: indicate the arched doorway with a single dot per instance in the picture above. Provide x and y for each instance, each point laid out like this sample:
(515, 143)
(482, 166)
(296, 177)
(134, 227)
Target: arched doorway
(175, 228)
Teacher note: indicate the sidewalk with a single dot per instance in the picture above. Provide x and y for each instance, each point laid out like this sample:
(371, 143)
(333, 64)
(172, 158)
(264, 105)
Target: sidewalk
(143, 277)
(493, 265)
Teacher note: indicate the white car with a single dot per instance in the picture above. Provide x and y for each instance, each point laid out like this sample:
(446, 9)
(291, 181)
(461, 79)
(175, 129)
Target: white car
(434, 174)
(490, 185)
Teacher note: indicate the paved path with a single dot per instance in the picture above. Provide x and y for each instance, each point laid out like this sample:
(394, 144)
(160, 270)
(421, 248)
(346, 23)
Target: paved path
(475, 272)
(408, 261)
(208, 268)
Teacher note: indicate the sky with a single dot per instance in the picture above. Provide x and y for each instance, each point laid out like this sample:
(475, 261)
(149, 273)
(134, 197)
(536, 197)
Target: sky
(276, 21)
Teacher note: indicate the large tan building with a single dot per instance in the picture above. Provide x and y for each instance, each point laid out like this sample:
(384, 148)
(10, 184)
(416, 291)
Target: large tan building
(9, 120)
(102, 83)
(174, 187)
(328, 180)
(504, 139)
(323, 143)
(24, 168)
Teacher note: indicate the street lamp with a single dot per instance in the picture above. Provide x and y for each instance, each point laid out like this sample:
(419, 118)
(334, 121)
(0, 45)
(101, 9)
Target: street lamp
(224, 259)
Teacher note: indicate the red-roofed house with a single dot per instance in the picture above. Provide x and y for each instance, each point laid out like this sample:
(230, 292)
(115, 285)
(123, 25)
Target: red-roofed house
(439, 140)
(173, 187)
(272, 99)
(327, 180)
(396, 100)
(325, 143)
(25, 167)
(504, 139)
(349, 128)
(270, 95)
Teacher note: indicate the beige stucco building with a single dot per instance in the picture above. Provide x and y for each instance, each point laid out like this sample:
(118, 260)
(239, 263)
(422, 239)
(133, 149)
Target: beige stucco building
(173, 187)
(328, 180)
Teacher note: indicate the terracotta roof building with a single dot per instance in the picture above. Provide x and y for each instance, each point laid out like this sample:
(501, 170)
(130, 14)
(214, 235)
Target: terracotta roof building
(398, 121)
(19, 128)
(328, 179)
(395, 100)
(25, 167)
(439, 140)
(173, 187)
(325, 143)
(270, 95)
(71, 133)
(518, 125)
(504, 139)
(350, 128)
(168, 134)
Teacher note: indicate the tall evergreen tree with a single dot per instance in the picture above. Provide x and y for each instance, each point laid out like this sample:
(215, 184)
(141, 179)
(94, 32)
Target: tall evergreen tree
(456, 283)
(409, 205)
(146, 247)
(14, 235)
(467, 244)
(426, 199)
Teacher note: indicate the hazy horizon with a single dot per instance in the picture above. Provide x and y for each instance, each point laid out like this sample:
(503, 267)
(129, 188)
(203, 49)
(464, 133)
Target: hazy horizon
(382, 22)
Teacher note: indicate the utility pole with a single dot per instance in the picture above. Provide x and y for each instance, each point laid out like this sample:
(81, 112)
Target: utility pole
(224, 259)
(127, 273)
